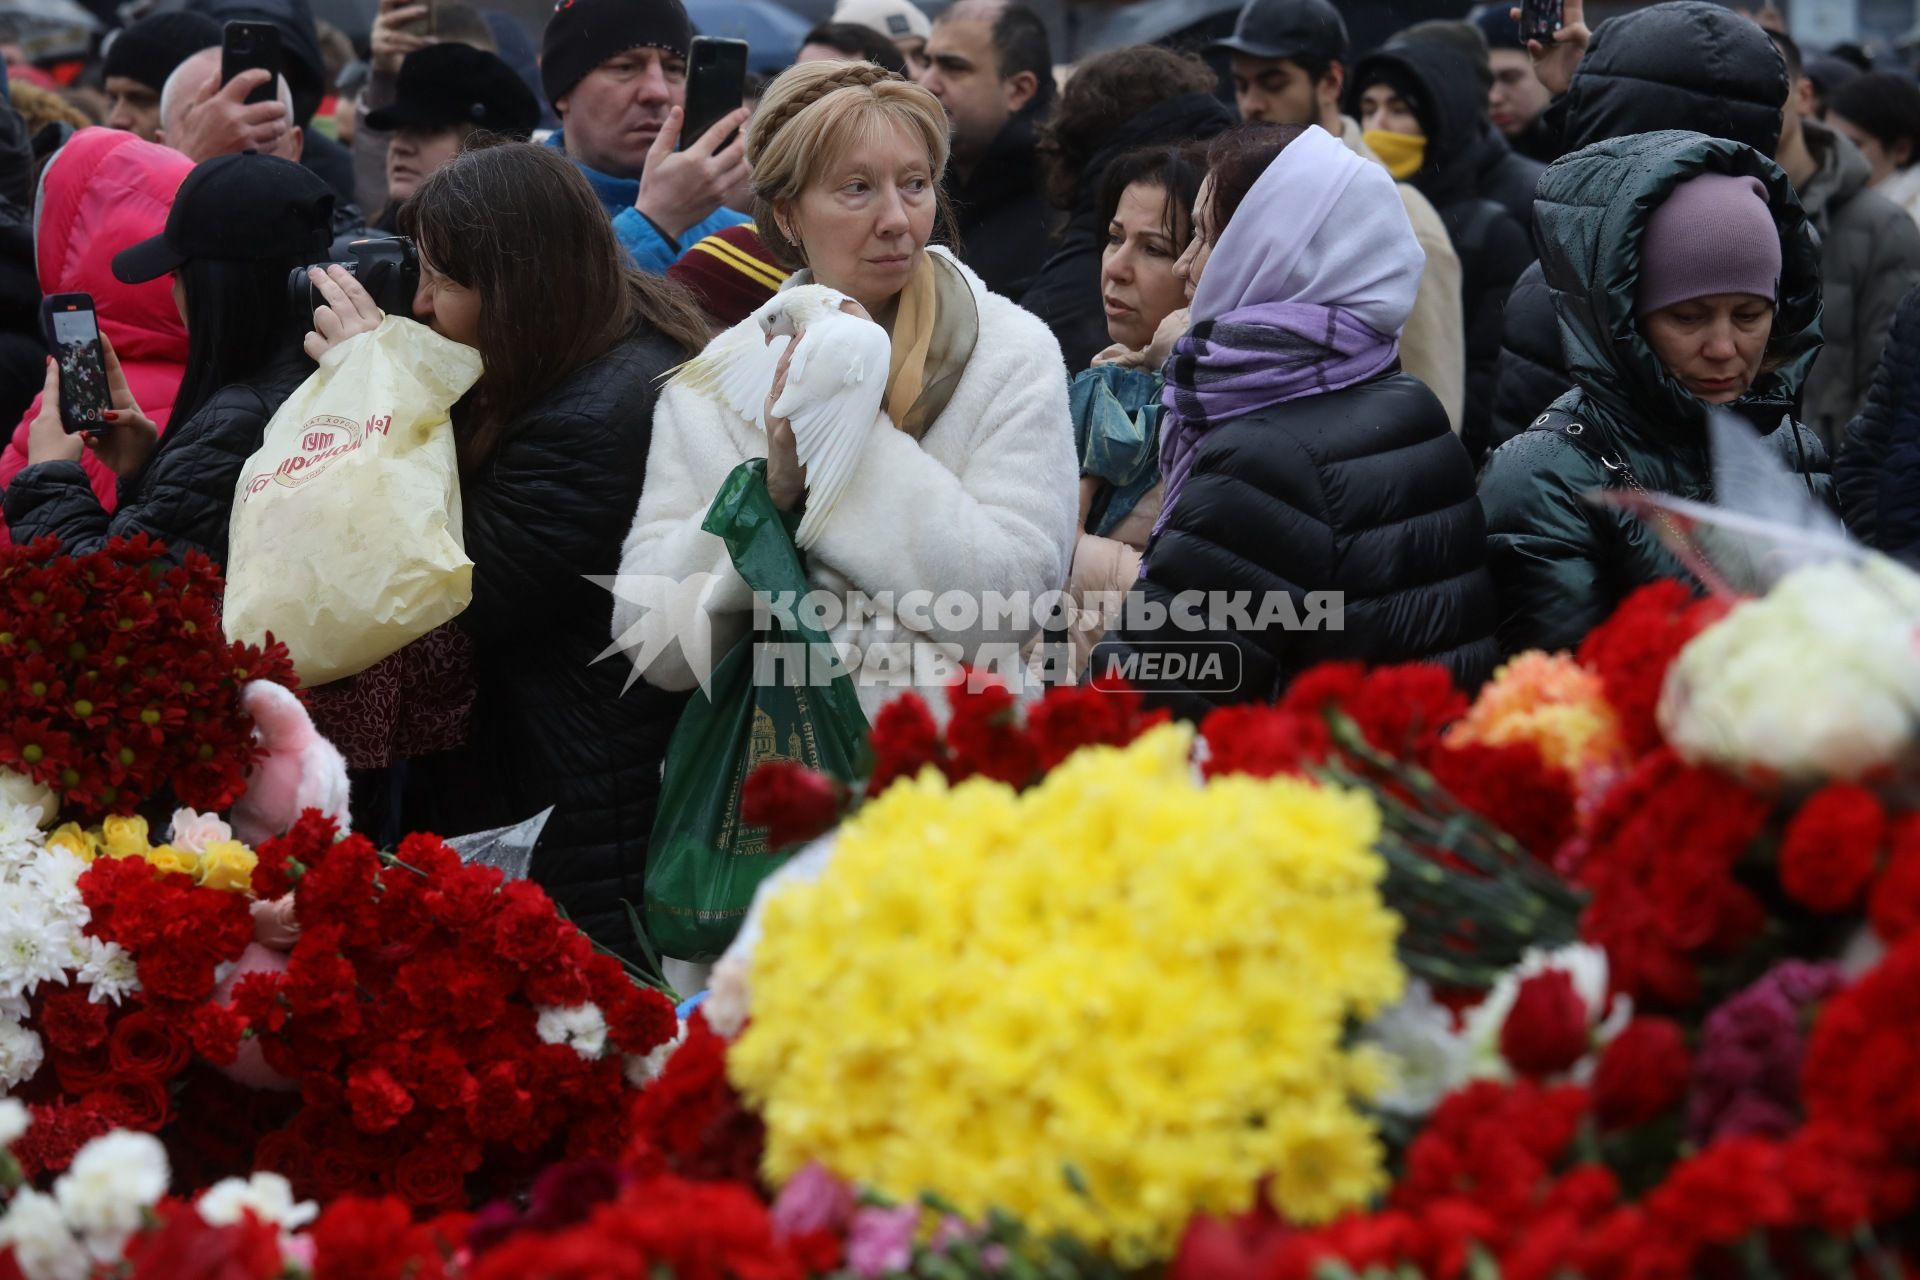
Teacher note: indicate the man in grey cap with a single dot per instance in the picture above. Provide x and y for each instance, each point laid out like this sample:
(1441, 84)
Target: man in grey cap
(1289, 67)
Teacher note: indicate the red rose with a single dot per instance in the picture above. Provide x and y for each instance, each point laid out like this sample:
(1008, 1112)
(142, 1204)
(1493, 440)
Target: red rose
(144, 1045)
(1546, 1031)
(135, 1102)
(72, 1021)
(1642, 1074)
(377, 1100)
(791, 801)
(1832, 847)
(427, 1179)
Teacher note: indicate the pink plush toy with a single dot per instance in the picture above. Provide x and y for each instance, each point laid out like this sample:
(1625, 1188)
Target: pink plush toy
(301, 771)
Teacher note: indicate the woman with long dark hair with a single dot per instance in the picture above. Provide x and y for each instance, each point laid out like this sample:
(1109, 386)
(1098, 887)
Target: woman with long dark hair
(239, 226)
(517, 261)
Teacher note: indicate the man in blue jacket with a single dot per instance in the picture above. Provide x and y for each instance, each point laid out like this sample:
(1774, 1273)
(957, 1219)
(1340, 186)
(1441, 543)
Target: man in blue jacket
(616, 73)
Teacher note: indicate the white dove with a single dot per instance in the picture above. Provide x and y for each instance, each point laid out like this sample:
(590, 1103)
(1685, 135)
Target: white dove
(835, 384)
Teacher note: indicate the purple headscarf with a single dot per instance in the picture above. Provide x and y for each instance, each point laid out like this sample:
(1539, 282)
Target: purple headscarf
(1306, 291)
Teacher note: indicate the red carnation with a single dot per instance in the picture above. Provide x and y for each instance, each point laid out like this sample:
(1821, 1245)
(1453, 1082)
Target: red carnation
(1642, 1074)
(984, 736)
(1546, 1031)
(1632, 650)
(1262, 741)
(377, 1099)
(1512, 787)
(1101, 713)
(1832, 847)
(216, 1031)
(72, 1021)
(187, 1247)
(1864, 1053)
(794, 803)
(1893, 906)
(905, 740)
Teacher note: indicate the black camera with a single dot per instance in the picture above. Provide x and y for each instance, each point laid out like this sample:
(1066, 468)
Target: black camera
(387, 268)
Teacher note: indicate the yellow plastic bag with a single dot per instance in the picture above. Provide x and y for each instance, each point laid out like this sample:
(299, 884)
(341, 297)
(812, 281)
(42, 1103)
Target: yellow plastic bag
(345, 539)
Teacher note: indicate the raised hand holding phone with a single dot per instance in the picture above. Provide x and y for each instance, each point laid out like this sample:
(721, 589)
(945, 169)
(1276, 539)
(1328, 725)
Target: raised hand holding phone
(1557, 35)
(400, 28)
(680, 189)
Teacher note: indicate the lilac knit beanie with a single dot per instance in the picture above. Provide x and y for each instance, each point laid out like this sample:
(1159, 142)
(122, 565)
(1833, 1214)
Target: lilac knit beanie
(1713, 234)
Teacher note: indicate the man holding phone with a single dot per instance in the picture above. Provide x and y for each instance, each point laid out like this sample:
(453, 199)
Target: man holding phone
(616, 72)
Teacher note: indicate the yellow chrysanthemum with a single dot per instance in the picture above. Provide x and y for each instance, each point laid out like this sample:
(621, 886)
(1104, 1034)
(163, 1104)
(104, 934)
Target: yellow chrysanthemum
(1554, 703)
(1123, 973)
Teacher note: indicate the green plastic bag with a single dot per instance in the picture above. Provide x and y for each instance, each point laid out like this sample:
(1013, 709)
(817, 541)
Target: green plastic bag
(704, 863)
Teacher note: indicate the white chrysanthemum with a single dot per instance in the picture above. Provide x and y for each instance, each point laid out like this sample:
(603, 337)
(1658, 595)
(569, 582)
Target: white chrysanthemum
(269, 1195)
(21, 1054)
(32, 952)
(581, 1026)
(1429, 1056)
(109, 1187)
(14, 1120)
(110, 971)
(19, 825)
(56, 873)
(642, 1069)
(1817, 679)
(42, 1243)
(1586, 966)
(18, 790)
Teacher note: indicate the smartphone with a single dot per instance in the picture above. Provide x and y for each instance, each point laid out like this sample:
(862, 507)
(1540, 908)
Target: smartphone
(716, 85)
(245, 46)
(1539, 19)
(73, 336)
(421, 26)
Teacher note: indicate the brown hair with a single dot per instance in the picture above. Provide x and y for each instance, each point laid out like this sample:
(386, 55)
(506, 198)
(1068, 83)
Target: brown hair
(519, 225)
(812, 115)
(1107, 91)
(1235, 161)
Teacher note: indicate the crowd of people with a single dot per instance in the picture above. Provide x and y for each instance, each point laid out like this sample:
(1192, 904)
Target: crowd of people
(1275, 319)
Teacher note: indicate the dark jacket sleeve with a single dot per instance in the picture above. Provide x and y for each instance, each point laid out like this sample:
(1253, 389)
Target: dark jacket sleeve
(1501, 254)
(1543, 546)
(559, 493)
(1531, 371)
(184, 497)
(1865, 504)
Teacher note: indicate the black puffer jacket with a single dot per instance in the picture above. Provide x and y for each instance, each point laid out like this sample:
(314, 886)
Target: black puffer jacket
(1066, 293)
(1364, 492)
(184, 496)
(1003, 218)
(1684, 63)
(1877, 475)
(22, 349)
(552, 724)
(1561, 563)
(1507, 178)
(1494, 248)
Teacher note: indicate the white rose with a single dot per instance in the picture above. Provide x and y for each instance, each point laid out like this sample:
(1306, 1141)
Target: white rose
(21, 1054)
(18, 789)
(192, 832)
(14, 1120)
(269, 1195)
(109, 1187)
(1818, 679)
(42, 1244)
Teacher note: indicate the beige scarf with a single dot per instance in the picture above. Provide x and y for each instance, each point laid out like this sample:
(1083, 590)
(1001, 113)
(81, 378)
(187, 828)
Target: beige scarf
(913, 327)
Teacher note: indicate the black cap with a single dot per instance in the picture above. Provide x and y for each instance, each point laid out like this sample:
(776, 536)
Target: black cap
(149, 50)
(237, 208)
(1298, 29)
(450, 84)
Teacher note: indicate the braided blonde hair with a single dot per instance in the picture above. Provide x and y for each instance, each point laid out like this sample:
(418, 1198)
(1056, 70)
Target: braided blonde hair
(810, 117)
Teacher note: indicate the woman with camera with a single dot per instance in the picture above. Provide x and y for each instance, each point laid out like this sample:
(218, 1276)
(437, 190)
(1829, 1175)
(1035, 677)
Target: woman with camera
(239, 225)
(965, 488)
(518, 261)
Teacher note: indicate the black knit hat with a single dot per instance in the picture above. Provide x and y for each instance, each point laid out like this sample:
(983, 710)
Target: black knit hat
(582, 34)
(149, 50)
(451, 84)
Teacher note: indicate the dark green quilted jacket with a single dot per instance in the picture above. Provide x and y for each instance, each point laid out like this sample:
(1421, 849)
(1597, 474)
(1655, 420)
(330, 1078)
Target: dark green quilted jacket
(1561, 564)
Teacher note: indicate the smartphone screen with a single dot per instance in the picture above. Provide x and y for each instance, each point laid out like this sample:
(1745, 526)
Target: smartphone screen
(245, 46)
(716, 84)
(1539, 19)
(83, 372)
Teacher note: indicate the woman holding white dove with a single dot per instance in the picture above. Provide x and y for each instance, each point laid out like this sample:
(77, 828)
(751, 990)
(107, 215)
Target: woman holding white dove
(916, 423)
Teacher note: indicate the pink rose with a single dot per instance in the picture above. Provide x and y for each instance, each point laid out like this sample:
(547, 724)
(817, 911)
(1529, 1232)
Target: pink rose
(193, 832)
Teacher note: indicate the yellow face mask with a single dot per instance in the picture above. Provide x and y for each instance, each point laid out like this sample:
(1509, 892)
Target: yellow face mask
(1402, 153)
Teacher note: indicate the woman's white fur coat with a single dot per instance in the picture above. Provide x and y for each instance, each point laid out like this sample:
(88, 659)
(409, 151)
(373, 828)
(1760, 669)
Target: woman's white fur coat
(986, 501)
